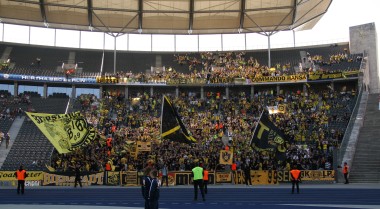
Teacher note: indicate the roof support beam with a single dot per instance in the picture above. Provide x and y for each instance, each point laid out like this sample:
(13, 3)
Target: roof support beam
(294, 11)
(43, 12)
(263, 32)
(191, 16)
(275, 29)
(126, 25)
(100, 20)
(140, 15)
(89, 12)
(242, 14)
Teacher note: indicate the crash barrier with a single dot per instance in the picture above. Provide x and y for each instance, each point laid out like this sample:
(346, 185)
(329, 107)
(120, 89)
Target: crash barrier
(133, 178)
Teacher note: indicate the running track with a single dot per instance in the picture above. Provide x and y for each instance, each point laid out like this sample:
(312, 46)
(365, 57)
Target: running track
(181, 197)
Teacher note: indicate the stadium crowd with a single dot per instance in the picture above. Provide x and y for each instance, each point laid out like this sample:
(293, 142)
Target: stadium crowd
(123, 122)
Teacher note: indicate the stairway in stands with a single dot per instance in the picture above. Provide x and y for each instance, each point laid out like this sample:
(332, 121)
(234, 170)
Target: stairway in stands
(366, 162)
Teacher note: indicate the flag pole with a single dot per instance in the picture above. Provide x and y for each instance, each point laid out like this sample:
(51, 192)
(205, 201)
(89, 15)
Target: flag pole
(162, 110)
(261, 114)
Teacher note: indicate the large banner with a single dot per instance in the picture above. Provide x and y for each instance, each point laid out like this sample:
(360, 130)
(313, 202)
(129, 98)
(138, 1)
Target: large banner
(256, 177)
(328, 76)
(186, 178)
(267, 137)
(46, 78)
(10, 175)
(307, 175)
(225, 157)
(284, 78)
(51, 179)
(66, 132)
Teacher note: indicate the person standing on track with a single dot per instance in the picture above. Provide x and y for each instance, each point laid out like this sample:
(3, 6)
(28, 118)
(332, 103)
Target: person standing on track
(154, 190)
(145, 185)
(205, 180)
(164, 172)
(296, 178)
(20, 176)
(345, 172)
(77, 176)
(198, 182)
(247, 174)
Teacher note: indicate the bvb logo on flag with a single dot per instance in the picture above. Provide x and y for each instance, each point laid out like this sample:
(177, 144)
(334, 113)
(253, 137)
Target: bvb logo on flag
(281, 108)
(225, 157)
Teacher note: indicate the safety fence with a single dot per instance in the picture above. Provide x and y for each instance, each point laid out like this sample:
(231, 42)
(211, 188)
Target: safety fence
(133, 178)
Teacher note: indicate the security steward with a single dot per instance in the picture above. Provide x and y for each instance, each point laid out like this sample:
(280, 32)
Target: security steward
(198, 182)
(205, 180)
(20, 176)
(77, 176)
(345, 172)
(296, 178)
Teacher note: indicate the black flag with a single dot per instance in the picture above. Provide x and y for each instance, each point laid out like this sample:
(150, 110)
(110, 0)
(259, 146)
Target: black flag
(172, 127)
(267, 137)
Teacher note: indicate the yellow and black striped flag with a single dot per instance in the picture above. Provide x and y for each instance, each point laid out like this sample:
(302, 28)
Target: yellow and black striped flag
(267, 137)
(172, 127)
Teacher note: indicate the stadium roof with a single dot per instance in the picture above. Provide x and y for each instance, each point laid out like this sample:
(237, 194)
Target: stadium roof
(166, 16)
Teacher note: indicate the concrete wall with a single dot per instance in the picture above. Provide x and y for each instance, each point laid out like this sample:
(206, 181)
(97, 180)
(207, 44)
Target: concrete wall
(363, 38)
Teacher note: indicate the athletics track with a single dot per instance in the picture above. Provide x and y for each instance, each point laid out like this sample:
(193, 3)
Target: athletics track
(181, 197)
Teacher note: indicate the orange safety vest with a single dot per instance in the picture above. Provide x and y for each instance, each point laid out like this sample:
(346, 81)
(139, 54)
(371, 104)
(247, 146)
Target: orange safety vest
(345, 169)
(205, 175)
(108, 167)
(295, 173)
(20, 174)
(233, 166)
(109, 140)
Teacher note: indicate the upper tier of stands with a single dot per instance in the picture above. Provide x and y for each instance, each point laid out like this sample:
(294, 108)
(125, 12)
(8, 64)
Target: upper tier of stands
(24, 58)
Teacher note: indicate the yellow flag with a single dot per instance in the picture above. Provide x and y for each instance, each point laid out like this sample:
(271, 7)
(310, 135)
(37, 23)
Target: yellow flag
(225, 157)
(66, 132)
(281, 108)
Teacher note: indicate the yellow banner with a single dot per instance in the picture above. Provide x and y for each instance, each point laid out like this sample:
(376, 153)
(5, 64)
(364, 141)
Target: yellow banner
(129, 178)
(225, 157)
(308, 175)
(32, 175)
(66, 132)
(144, 146)
(51, 179)
(283, 78)
(223, 177)
(262, 177)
